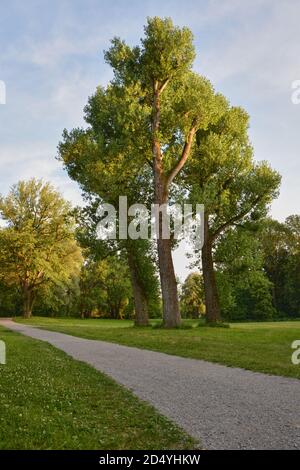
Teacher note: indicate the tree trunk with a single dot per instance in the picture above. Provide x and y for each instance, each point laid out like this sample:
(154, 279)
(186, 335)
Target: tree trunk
(171, 313)
(28, 298)
(114, 311)
(139, 296)
(86, 314)
(195, 313)
(212, 306)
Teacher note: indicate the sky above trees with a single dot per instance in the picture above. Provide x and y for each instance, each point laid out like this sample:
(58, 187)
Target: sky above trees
(52, 59)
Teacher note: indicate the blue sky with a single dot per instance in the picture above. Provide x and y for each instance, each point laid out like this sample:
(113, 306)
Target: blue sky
(51, 59)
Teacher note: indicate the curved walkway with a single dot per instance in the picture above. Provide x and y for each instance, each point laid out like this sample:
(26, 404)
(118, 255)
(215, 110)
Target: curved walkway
(223, 407)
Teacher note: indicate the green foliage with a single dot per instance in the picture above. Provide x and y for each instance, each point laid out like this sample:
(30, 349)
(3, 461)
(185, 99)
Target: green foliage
(10, 300)
(223, 176)
(281, 251)
(245, 291)
(140, 251)
(166, 52)
(254, 299)
(105, 289)
(58, 300)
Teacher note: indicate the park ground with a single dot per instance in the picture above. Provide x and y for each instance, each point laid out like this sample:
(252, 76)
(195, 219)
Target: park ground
(262, 347)
(51, 401)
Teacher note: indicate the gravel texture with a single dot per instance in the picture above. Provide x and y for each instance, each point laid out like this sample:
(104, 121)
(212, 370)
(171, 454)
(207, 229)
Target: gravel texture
(223, 407)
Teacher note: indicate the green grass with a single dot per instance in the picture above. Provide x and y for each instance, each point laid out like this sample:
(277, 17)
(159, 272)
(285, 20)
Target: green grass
(264, 347)
(50, 401)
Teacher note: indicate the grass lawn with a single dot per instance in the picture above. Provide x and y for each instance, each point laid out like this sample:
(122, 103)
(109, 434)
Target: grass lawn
(264, 347)
(50, 401)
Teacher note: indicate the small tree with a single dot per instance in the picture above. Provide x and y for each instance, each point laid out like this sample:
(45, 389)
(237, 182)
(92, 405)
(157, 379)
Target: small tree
(37, 246)
(192, 296)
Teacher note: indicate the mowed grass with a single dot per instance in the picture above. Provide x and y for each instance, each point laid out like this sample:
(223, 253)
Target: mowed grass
(263, 347)
(50, 401)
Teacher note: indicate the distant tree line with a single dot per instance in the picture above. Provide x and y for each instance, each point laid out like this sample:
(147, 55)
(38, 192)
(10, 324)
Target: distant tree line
(53, 265)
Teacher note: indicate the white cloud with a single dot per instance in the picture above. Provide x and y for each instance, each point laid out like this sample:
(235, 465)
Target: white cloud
(263, 49)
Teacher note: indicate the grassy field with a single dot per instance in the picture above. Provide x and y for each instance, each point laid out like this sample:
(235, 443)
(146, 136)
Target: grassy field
(264, 347)
(50, 401)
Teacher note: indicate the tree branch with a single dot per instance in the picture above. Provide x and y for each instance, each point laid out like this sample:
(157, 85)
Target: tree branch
(164, 85)
(234, 219)
(185, 153)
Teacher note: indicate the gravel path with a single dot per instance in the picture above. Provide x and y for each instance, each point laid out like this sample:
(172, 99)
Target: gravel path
(223, 407)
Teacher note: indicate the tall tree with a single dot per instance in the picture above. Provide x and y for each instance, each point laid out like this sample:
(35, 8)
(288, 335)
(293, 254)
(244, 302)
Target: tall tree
(37, 245)
(148, 116)
(234, 188)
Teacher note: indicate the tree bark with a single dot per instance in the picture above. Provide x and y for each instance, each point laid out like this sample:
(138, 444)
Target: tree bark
(139, 296)
(171, 313)
(212, 305)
